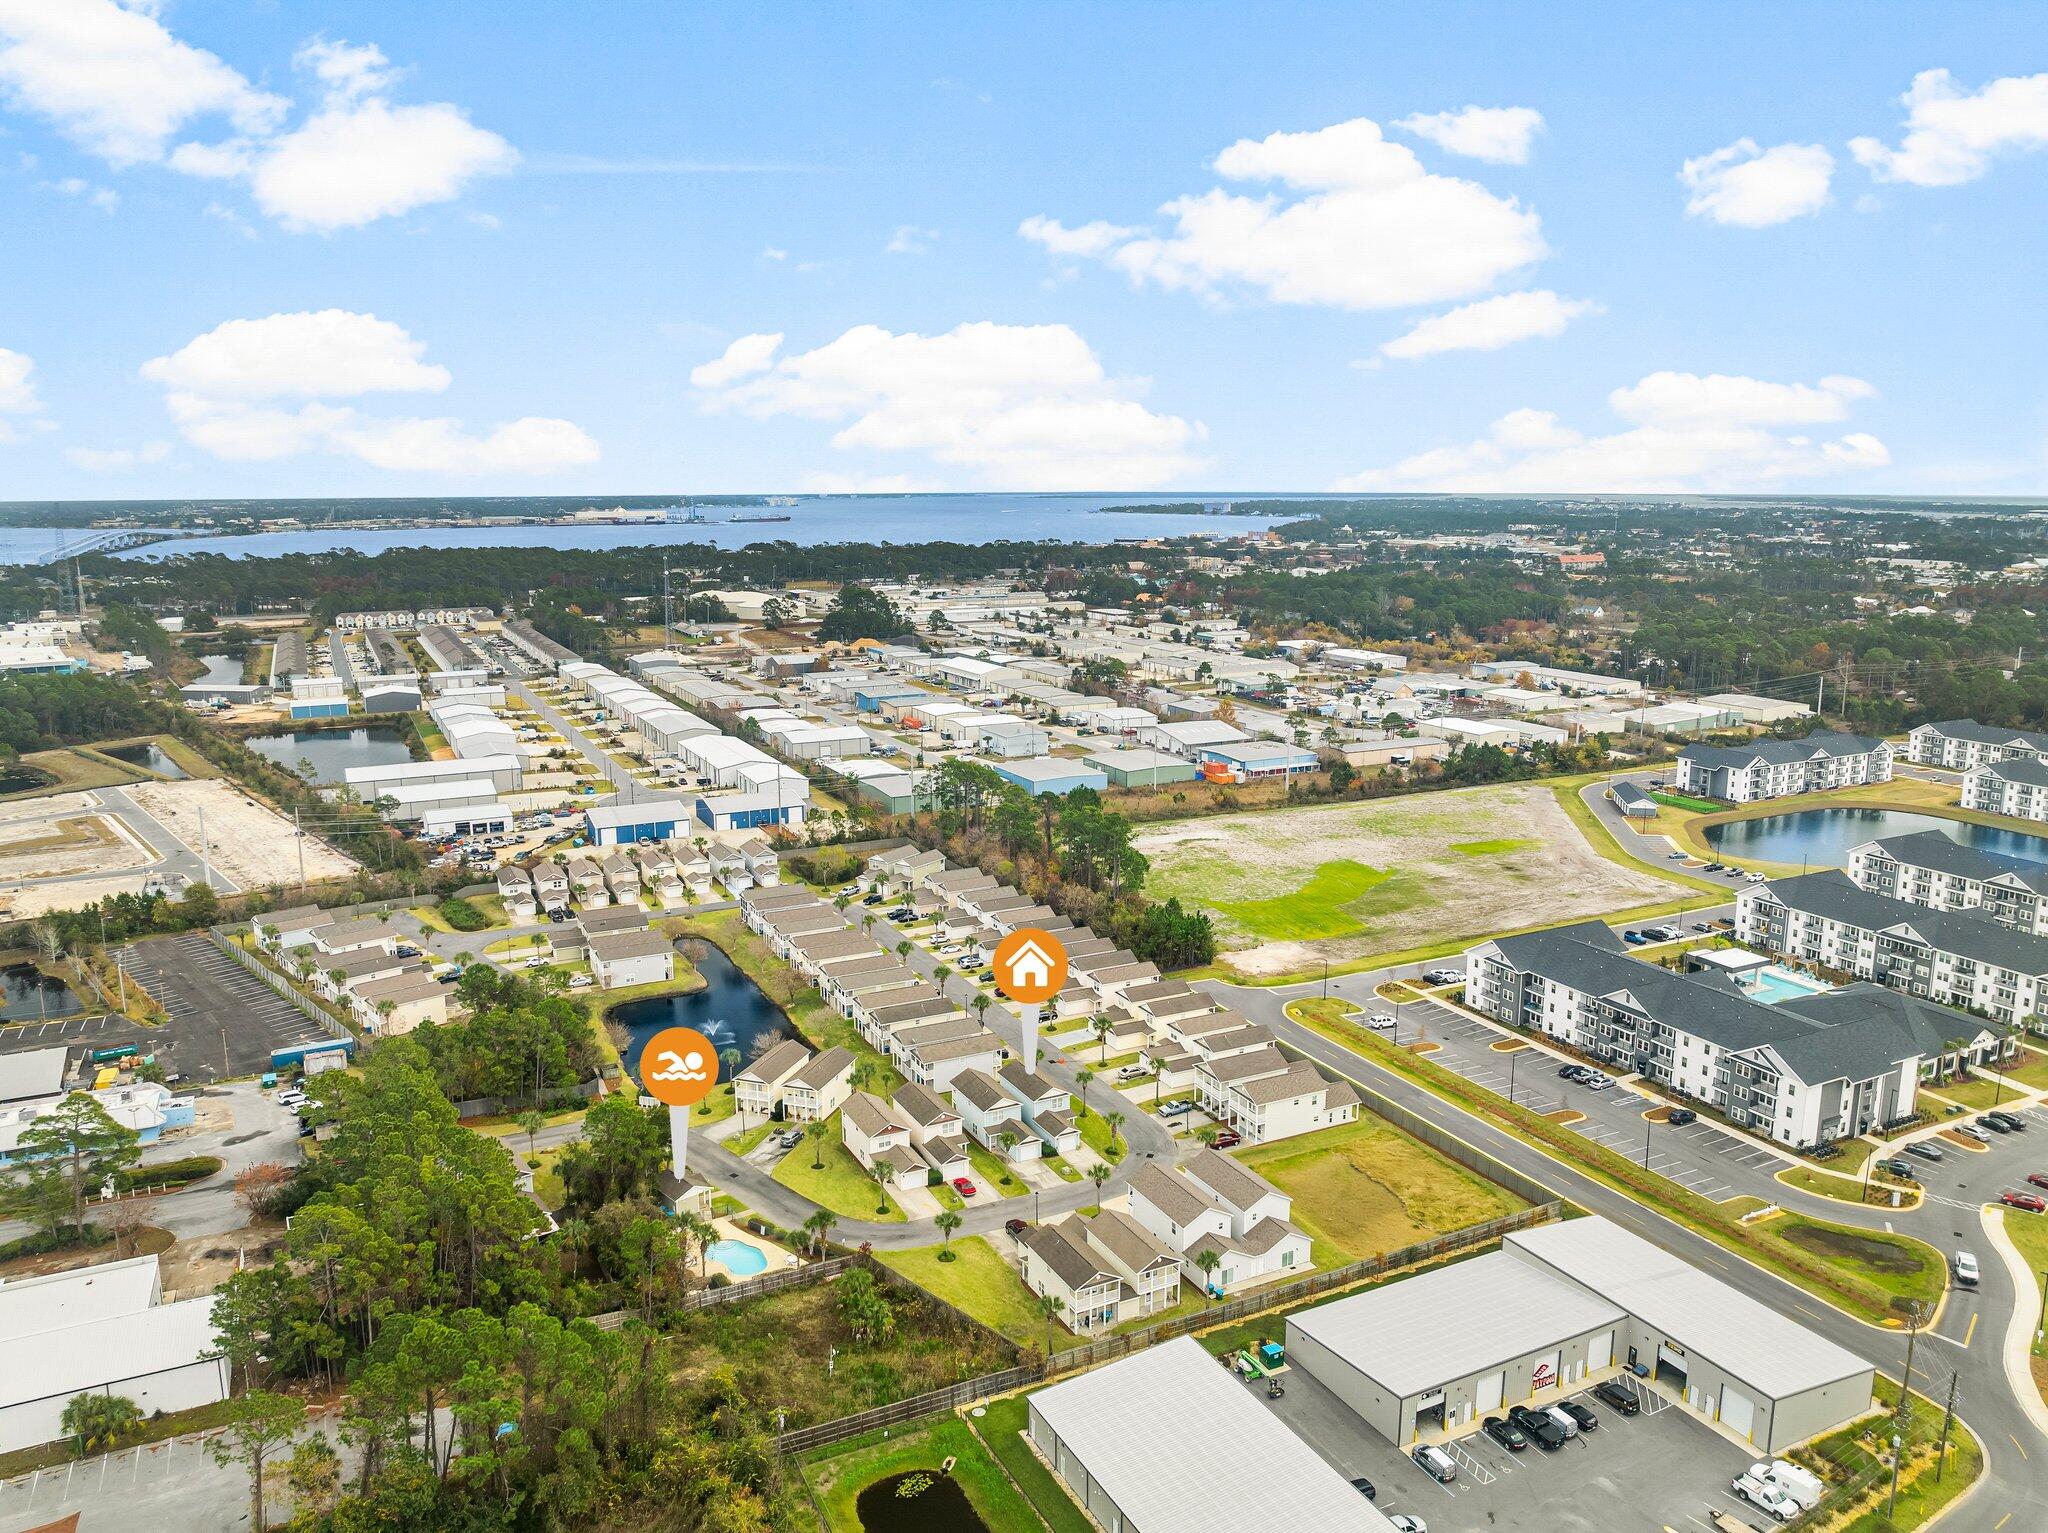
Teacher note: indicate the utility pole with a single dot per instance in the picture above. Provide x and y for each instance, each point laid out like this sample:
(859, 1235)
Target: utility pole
(665, 608)
(299, 835)
(205, 851)
(1948, 1416)
(1913, 1317)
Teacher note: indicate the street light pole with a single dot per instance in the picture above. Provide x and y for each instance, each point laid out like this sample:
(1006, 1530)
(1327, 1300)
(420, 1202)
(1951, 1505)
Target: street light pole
(1514, 1059)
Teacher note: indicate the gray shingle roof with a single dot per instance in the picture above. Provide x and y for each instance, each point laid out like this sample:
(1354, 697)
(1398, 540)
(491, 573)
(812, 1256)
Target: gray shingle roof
(1782, 752)
(2028, 771)
(1831, 895)
(1988, 734)
(1941, 853)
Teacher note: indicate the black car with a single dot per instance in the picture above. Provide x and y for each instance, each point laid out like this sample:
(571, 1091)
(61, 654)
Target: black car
(1364, 1487)
(1899, 1167)
(1583, 1415)
(2012, 1124)
(873, 899)
(1995, 1122)
(1015, 1227)
(1505, 1432)
(1615, 1398)
(1678, 1117)
(1548, 1434)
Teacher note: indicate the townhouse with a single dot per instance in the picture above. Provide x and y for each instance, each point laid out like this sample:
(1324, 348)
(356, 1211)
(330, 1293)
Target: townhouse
(622, 958)
(398, 1003)
(621, 874)
(1767, 769)
(935, 1054)
(1964, 744)
(1044, 1105)
(875, 1136)
(1103, 1271)
(935, 1129)
(2017, 788)
(1932, 869)
(515, 891)
(1213, 1204)
(1953, 957)
(758, 1088)
(820, 1088)
(993, 1118)
(880, 1018)
(1704, 1037)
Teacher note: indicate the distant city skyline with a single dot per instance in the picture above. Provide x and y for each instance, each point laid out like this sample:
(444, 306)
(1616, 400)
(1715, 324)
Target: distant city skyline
(327, 249)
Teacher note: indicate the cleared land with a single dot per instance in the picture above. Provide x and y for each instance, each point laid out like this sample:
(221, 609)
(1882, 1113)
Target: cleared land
(248, 842)
(1367, 1188)
(1292, 887)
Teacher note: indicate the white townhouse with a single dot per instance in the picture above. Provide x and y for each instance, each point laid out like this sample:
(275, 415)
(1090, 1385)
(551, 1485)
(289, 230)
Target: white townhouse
(1959, 958)
(1046, 1106)
(2016, 788)
(992, 1116)
(620, 959)
(935, 1129)
(758, 1088)
(1767, 769)
(1964, 744)
(880, 1018)
(1104, 1271)
(515, 891)
(1214, 1204)
(1935, 870)
(820, 1088)
(874, 1135)
(1766, 1067)
(1297, 1100)
(937, 1053)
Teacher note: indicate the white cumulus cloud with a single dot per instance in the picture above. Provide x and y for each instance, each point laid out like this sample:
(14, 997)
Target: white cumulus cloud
(1753, 188)
(258, 390)
(114, 80)
(1369, 228)
(360, 160)
(108, 460)
(1490, 324)
(17, 391)
(1685, 432)
(1021, 406)
(909, 239)
(1952, 135)
(1500, 135)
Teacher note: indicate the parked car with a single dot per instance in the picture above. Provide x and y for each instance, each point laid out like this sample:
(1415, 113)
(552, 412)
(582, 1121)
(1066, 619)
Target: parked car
(1925, 1150)
(1444, 976)
(1548, 1435)
(1583, 1415)
(1573, 1072)
(790, 1140)
(1802, 1485)
(2026, 1200)
(1014, 1228)
(1365, 1488)
(1132, 1073)
(1995, 1122)
(1759, 1492)
(1899, 1167)
(1407, 1522)
(1380, 1021)
(1506, 1433)
(872, 899)
(1966, 1270)
(1972, 1131)
(1634, 938)
(1567, 1423)
(1678, 1117)
(965, 1188)
(2012, 1123)
(1616, 1398)
(2038, 1178)
(1434, 1462)
(1228, 1139)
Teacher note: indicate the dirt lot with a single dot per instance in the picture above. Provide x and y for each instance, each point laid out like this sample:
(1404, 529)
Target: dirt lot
(1291, 887)
(250, 843)
(63, 835)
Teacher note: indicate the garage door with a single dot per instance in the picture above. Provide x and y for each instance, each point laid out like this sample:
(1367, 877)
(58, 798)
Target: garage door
(1544, 1374)
(1490, 1390)
(1738, 1411)
(1600, 1351)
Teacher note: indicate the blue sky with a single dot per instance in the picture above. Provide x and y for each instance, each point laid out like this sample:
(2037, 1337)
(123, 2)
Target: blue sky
(318, 248)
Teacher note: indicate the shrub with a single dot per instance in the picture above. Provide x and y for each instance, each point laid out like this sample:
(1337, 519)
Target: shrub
(462, 915)
(167, 1173)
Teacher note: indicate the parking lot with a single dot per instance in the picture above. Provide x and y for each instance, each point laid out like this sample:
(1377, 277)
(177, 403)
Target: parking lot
(1662, 1469)
(1700, 1156)
(224, 1021)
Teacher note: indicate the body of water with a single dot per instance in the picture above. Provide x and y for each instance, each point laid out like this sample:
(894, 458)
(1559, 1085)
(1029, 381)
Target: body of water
(813, 519)
(20, 779)
(26, 992)
(917, 1501)
(731, 1010)
(148, 755)
(221, 671)
(333, 751)
(1821, 838)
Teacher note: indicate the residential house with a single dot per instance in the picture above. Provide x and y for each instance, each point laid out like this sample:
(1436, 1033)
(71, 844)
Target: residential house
(1046, 1105)
(820, 1088)
(758, 1088)
(399, 1003)
(935, 1053)
(587, 880)
(993, 1118)
(515, 892)
(621, 876)
(874, 1135)
(1964, 744)
(626, 958)
(1213, 1204)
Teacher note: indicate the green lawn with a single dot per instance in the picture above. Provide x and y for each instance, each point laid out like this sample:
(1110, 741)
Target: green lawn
(750, 1138)
(1095, 1134)
(837, 1475)
(1315, 910)
(1865, 1272)
(981, 1283)
(1845, 1189)
(841, 1186)
(1976, 1092)
(2031, 1070)
(2030, 1233)
(1366, 1188)
(1001, 1425)
(989, 1174)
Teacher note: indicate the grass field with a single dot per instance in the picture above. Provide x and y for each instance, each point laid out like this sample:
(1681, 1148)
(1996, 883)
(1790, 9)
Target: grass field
(982, 1284)
(1293, 887)
(1367, 1188)
(1000, 1426)
(2029, 1232)
(1977, 1092)
(841, 1186)
(2031, 1069)
(840, 1473)
(1845, 1189)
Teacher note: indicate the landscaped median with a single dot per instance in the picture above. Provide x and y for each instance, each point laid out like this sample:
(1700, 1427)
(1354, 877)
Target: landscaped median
(1870, 1274)
(1857, 1462)
(2029, 1235)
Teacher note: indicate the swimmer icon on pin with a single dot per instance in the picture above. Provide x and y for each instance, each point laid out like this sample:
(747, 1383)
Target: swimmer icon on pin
(678, 1066)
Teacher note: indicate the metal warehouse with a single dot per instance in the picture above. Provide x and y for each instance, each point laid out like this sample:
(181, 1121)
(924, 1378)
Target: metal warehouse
(1430, 1355)
(1167, 1441)
(1733, 1360)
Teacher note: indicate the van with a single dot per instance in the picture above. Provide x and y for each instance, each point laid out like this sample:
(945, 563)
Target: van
(1434, 1462)
(1801, 1485)
(1966, 1270)
(1566, 1422)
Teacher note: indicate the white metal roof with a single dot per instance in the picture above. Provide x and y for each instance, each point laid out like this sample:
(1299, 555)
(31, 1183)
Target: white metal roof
(58, 1300)
(1182, 1447)
(1424, 1331)
(1744, 1338)
(112, 1349)
(32, 1073)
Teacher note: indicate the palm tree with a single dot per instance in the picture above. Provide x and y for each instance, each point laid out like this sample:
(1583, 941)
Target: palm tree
(841, 901)
(942, 973)
(1209, 1133)
(531, 1122)
(1208, 1261)
(981, 1004)
(815, 1132)
(574, 1233)
(99, 1421)
(1007, 1140)
(1115, 1120)
(1098, 1174)
(700, 1232)
(1049, 1309)
(903, 948)
(1083, 1076)
(818, 1227)
(1102, 1027)
(948, 1221)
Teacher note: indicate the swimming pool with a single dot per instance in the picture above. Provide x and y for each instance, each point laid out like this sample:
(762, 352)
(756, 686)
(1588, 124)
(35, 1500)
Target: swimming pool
(1773, 985)
(739, 1258)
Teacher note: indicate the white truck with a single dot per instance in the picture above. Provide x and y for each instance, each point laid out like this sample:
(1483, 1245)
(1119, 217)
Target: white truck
(1766, 1494)
(1802, 1485)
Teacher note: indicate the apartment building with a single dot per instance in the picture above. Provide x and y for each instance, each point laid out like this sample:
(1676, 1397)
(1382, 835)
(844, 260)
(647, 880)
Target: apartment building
(1953, 957)
(1964, 744)
(2017, 788)
(1768, 1068)
(1935, 870)
(1767, 769)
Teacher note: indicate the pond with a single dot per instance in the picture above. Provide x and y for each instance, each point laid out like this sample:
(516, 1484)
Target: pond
(26, 992)
(333, 751)
(21, 779)
(731, 1010)
(917, 1501)
(1821, 838)
(148, 755)
(221, 671)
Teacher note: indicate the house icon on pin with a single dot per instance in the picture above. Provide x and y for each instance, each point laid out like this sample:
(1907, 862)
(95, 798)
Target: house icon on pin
(1030, 967)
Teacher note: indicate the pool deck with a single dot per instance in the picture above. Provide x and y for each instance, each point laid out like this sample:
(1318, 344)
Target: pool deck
(1775, 984)
(778, 1256)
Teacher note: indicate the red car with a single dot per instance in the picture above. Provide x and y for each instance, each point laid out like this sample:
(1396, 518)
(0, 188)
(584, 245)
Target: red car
(2026, 1200)
(1227, 1138)
(2038, 1178)
(964, 1187)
